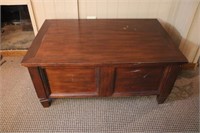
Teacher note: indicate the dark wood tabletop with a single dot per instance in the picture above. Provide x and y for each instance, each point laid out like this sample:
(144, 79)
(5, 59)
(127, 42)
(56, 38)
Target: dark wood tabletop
(95, 42)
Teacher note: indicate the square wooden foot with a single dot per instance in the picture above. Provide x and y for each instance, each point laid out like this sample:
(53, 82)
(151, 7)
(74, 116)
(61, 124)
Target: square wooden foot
(160, 99)
(45, 102)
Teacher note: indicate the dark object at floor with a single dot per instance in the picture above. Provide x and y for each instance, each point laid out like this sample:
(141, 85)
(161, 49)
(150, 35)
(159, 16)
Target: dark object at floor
(1, 60)
(16, 38)
(13, 13)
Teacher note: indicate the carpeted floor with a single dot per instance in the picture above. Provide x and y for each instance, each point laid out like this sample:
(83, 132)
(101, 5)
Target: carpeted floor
(21, 111)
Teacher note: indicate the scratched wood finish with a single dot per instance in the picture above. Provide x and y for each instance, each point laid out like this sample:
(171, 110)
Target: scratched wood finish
(137, 79)
(97, 42)
(100, 58)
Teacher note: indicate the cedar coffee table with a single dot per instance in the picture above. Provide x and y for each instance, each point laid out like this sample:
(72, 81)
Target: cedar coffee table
(102, 58)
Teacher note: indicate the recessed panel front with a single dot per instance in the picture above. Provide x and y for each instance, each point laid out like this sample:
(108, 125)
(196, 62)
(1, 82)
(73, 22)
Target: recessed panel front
(133, 80)
(72, 81)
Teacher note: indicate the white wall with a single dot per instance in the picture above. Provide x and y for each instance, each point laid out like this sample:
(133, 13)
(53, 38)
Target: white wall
(52, 9)
(191, 45)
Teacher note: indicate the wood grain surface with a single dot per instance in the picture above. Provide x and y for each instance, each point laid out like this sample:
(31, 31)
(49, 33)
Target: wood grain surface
(97, 42)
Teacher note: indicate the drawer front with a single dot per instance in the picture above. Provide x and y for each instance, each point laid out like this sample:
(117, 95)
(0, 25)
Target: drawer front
(72, 81)
(137, 79)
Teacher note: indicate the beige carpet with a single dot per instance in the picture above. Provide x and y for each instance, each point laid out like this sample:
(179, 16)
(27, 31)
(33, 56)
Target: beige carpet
(22, 112)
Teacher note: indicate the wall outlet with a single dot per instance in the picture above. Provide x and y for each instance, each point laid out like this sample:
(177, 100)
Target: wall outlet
(91, 17)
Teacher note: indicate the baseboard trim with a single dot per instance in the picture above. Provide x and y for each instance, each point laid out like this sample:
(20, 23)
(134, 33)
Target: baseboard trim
(190, 66)
(13, 52)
